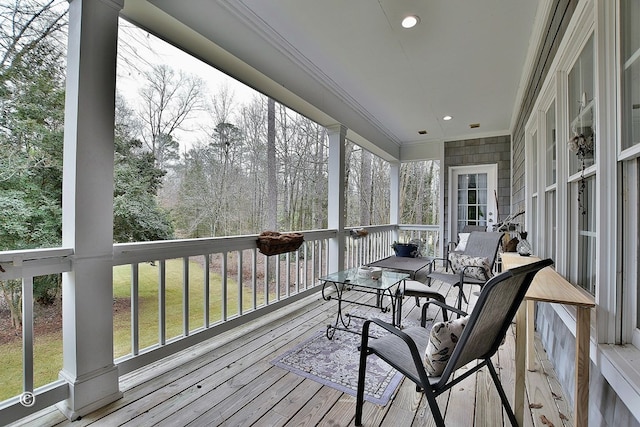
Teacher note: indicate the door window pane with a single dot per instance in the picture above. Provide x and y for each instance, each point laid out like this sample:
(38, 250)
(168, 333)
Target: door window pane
(472, 200)
(472, 181)
(463, 181)
(462, 197)
(472, 214)
(482, 197)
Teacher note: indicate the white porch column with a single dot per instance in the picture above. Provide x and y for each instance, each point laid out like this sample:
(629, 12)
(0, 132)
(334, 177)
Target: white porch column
(87, 206)
(394, 196)
(336, 202)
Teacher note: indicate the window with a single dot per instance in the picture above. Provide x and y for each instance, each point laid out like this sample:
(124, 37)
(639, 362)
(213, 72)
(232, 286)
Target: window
(630, 15)
(551, 177)
(581, 102)
(582, 177)
(585, 242)
(630, 166)
(629, 205)
(472, 199)
(550, 152)
(533, 223)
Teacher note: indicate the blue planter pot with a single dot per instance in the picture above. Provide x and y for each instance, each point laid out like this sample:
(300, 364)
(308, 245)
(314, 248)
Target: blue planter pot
(405, 250)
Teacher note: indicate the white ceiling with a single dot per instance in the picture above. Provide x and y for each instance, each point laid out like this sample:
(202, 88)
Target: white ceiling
(351, 62)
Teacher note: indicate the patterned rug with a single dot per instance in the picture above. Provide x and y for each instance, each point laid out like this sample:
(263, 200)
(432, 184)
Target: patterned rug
(334, 363)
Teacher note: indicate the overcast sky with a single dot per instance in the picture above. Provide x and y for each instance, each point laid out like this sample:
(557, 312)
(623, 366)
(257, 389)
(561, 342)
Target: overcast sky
(138, 47)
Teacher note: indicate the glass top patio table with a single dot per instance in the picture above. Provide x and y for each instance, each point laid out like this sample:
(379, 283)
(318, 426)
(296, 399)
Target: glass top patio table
(350, 277)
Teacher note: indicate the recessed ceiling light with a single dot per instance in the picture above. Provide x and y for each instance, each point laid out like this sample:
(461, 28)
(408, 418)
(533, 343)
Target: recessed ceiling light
(410, 21)
(447, 118)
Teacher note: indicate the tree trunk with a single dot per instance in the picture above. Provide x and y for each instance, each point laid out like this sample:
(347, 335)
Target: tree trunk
(272, 183)
(365, 188)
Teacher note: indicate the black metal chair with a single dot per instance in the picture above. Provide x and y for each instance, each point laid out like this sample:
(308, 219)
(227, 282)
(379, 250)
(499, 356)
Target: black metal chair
(451, 246)
(484, 332)
(481, 245)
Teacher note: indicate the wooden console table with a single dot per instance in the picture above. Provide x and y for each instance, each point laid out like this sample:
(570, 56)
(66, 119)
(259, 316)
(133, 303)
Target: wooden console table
(549, 286)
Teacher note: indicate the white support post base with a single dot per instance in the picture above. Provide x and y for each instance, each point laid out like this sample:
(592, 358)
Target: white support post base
(88, 393)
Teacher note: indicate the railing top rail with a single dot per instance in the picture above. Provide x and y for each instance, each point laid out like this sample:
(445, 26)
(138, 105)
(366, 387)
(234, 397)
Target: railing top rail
(126, 253)
(21, 255)
(434, 227)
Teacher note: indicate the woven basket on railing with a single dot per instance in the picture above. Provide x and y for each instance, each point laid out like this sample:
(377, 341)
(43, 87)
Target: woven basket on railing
(274, 243)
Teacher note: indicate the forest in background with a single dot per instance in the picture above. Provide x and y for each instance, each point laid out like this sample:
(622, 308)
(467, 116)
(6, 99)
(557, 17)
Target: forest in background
(255, 164)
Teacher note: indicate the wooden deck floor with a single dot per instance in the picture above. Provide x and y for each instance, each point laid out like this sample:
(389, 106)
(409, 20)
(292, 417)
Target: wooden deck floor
(230, 381)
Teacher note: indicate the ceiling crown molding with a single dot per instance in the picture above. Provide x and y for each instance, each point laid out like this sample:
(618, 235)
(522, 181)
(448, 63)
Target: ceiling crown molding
(256, 24)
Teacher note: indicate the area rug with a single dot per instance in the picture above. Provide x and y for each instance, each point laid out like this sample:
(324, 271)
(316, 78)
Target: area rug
(335, 362)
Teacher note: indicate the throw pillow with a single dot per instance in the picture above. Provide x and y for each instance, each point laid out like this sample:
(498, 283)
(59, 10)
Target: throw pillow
(476, 266)
(442, 340)
(462, 241)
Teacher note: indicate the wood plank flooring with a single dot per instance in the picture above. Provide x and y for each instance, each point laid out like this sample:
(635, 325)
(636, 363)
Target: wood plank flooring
(229, 381)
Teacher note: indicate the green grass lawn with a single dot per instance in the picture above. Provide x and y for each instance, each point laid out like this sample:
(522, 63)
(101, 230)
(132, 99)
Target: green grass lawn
(48, 347)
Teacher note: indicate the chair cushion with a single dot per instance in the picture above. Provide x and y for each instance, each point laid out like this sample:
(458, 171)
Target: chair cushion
(413, 288)
(462, 241)
(442, 341)
(479, 265)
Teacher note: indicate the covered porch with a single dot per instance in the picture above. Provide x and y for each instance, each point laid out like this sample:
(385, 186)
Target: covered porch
(206, 360)
(230, 380)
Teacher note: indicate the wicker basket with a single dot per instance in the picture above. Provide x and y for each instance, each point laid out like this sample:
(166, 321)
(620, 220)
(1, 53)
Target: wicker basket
(274, 243)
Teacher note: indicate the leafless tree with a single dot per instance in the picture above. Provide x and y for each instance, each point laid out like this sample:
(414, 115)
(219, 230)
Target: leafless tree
(24, 24)
(169, 99)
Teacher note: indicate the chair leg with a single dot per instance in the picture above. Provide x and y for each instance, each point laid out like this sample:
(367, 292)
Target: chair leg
(503, 396)
(435, 409)
(362, 370)
(417, 301)
(398, 313)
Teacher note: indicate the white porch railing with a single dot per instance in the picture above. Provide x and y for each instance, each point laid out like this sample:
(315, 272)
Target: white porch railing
(26, 265)
(376, 244)
(250, 285)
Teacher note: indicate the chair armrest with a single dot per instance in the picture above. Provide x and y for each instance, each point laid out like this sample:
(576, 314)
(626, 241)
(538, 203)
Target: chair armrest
(445, 262)
(413, 348)
(440, 304)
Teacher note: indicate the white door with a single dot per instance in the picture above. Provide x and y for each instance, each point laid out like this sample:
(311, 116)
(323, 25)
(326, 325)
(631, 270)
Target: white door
(472, 197)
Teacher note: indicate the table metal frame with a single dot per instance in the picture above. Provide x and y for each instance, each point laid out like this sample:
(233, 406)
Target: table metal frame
(349, 280)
